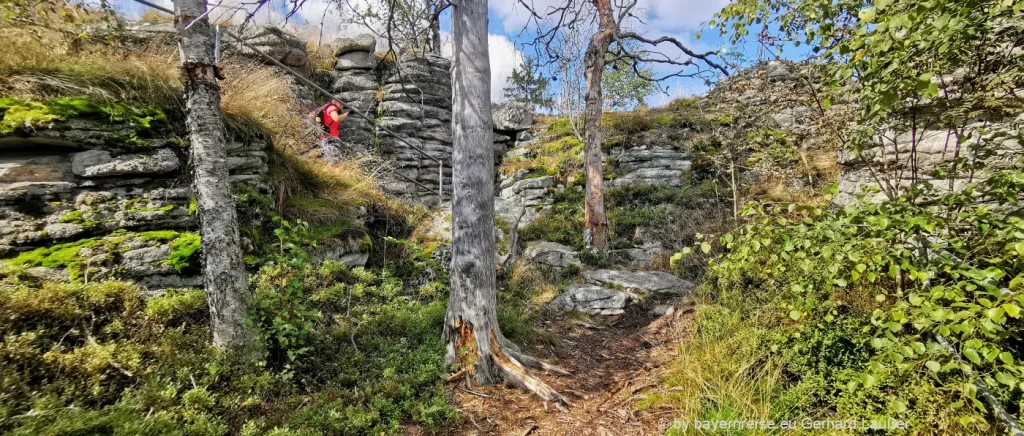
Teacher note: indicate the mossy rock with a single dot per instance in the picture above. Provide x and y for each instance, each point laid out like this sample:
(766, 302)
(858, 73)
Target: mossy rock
(17, 114)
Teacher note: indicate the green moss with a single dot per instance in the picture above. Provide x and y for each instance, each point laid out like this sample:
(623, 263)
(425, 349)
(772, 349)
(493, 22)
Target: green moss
(161, 209)
(177, 305)
(158, 235)
(72, 217)
(183, 251)
(16, 114)
(78, 217)
(561, 127)
(193, 206)
(57, 256)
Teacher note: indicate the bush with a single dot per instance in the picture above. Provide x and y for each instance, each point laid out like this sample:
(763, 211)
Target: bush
(858, 297)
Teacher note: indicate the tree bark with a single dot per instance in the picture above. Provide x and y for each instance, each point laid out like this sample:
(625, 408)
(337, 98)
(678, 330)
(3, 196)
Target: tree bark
(223, 271)
(595, 233)
(476, 347)
(435, 27)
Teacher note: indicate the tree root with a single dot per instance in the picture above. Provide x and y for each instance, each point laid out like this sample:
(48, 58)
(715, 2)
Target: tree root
(532, 362)
(506, 362)
(515, 373)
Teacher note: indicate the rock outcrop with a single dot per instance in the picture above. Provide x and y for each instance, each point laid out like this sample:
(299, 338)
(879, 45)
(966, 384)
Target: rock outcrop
(657, 282)
(890, 168)
(409, 102)
(512, 122)
(416, 105)
(82, 200)
(591, 299)
(646, 165)
(551, 254)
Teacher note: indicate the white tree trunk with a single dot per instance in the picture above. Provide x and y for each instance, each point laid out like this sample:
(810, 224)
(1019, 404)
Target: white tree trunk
(476, 347)
(471, 318)
(223, 270)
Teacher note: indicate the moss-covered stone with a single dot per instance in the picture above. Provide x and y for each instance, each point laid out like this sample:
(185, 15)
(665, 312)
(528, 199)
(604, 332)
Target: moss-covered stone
(16, 114)
(183, 251)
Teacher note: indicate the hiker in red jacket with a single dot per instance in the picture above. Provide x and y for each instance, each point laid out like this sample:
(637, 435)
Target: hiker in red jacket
(330, 118)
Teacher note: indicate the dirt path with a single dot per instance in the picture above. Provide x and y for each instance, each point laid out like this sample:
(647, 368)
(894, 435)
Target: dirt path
(609, 366)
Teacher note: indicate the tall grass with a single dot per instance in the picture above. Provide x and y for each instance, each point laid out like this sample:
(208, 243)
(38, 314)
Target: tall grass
(721, 373)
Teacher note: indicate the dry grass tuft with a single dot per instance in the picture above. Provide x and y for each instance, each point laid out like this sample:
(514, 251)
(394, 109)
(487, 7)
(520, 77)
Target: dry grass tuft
(154, 16)
(525, 275)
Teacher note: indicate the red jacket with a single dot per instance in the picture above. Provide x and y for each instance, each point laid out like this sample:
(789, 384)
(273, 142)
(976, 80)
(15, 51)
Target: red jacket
(329, 123)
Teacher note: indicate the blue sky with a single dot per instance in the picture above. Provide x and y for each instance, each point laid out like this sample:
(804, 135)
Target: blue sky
(680, 19)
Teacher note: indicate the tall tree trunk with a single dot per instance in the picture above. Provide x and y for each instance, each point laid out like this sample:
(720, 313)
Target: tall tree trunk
(595, 233)
(435, 27)
(223, 270)
(476, 347)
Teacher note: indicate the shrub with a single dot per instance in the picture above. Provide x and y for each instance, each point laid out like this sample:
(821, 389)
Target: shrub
(867, 294)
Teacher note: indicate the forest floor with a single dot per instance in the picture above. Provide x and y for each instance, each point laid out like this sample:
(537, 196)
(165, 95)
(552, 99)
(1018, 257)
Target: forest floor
(610, 362)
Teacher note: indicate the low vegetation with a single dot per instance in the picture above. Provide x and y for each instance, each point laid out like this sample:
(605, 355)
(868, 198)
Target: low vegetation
(351, 352)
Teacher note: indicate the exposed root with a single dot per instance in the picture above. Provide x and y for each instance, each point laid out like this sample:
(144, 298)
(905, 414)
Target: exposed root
(456, 376)
(506, 363)
(532, 362)
(515, 374)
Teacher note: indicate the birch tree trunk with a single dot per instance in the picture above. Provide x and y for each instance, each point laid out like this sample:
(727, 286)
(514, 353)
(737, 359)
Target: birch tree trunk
(435, 27)
(223, 270)
(476, 347)
(595, 232)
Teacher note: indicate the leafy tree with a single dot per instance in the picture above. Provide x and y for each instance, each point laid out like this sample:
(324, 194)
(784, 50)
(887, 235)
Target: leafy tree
(624, 87)
(528, 85)
(942, 257)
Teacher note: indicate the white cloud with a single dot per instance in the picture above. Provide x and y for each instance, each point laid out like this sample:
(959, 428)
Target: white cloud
(504, 58)
(660, 16)
(667, 16)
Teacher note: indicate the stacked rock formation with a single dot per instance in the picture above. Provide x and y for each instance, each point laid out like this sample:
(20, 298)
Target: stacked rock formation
(409, 96)
(416, 105)
(356, 82)
(512, 121)
(78, 203)
(643, 164)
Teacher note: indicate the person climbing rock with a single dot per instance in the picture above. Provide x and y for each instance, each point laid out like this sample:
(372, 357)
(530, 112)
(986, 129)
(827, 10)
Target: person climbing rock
(330, 118)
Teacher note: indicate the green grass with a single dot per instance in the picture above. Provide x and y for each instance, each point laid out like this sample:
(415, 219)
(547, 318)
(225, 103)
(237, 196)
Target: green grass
(374, 361)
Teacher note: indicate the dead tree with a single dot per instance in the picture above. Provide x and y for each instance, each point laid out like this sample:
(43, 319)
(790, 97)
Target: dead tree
(608, 44)
(476, 348)
(223, 271)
